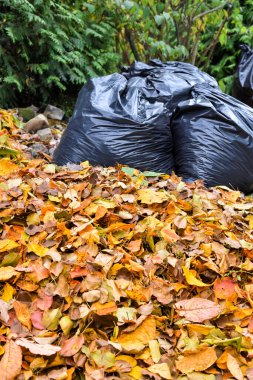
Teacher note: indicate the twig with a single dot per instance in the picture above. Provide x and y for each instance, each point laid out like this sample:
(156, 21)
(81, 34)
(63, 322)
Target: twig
(209, 11)
(214, 43)
(130, 39)
(195, 49)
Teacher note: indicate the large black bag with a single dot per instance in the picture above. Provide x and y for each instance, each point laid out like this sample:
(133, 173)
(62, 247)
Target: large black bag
(243, 84)
(124, 118)
(213, 139)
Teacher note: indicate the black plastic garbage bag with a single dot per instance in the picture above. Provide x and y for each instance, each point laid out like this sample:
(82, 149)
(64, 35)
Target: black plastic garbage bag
(156, 68)
(124, 118)
(213, 139)
(243, 84)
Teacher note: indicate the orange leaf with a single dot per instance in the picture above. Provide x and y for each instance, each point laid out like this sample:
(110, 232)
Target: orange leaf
(10, 364)
(135, 341)
(169, 235)
(23, 314)
(104, 309)
(225, 289)
(72, 345)
(198, 361)
(7, 167)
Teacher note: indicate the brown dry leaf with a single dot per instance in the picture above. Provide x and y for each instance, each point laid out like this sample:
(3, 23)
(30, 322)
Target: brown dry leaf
(135, 341)
(234, 367)
(10, 364)
(23, 314)
(198, 309)
(198, 361)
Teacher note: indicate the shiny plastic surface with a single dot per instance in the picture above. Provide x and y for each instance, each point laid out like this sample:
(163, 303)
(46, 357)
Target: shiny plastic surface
(125, 118)
(243, 85)
(213, 139)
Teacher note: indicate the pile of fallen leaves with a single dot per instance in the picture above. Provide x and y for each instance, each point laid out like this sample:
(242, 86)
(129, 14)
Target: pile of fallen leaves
(117, 274)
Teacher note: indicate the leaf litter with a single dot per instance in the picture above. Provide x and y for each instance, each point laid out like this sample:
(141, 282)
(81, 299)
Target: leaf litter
(111, 273)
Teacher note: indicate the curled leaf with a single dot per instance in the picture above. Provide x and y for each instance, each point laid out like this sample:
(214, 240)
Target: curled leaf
(38, 349)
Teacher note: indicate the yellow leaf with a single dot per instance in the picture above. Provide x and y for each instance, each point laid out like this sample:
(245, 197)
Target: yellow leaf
(8, 292)
(10, 364)
(250, 219)
(198, 361)
(7, 245)
(135, 341)
(129, 359)
(150, 196)
(234, 367)
(7, 167)
(38, 249)
(191, 279)
(200, 329)
(136, 373)
(23, 314)
(155, 350)
(161, 369)
(6, 273)
(70, 372)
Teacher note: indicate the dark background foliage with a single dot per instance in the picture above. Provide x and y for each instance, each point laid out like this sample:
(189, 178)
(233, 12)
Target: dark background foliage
(48, 48)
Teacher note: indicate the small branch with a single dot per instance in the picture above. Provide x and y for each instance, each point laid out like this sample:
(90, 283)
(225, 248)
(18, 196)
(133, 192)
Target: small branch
(130, 39)
(209, 11)
(195, 49)
(214, 43)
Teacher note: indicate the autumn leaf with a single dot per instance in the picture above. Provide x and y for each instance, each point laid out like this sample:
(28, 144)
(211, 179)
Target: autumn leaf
(103, 359)
(7, 167)
(191, 279)
(161, 369)
(7, 245)
(10, 364)
(23, 314)
(198, 309)
(150, 196)
(72, 345)
(37, 249)
(6, 273)
(198, 361)
(225, 289)
(136, 341)
(234, 367)
(155, 350)
(169, 235)
(38, 349)
(51, 319)
(8, 292)
(116, 272)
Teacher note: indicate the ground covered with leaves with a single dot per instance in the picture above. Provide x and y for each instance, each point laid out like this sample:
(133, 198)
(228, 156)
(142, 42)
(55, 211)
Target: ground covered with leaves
(117, 274)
